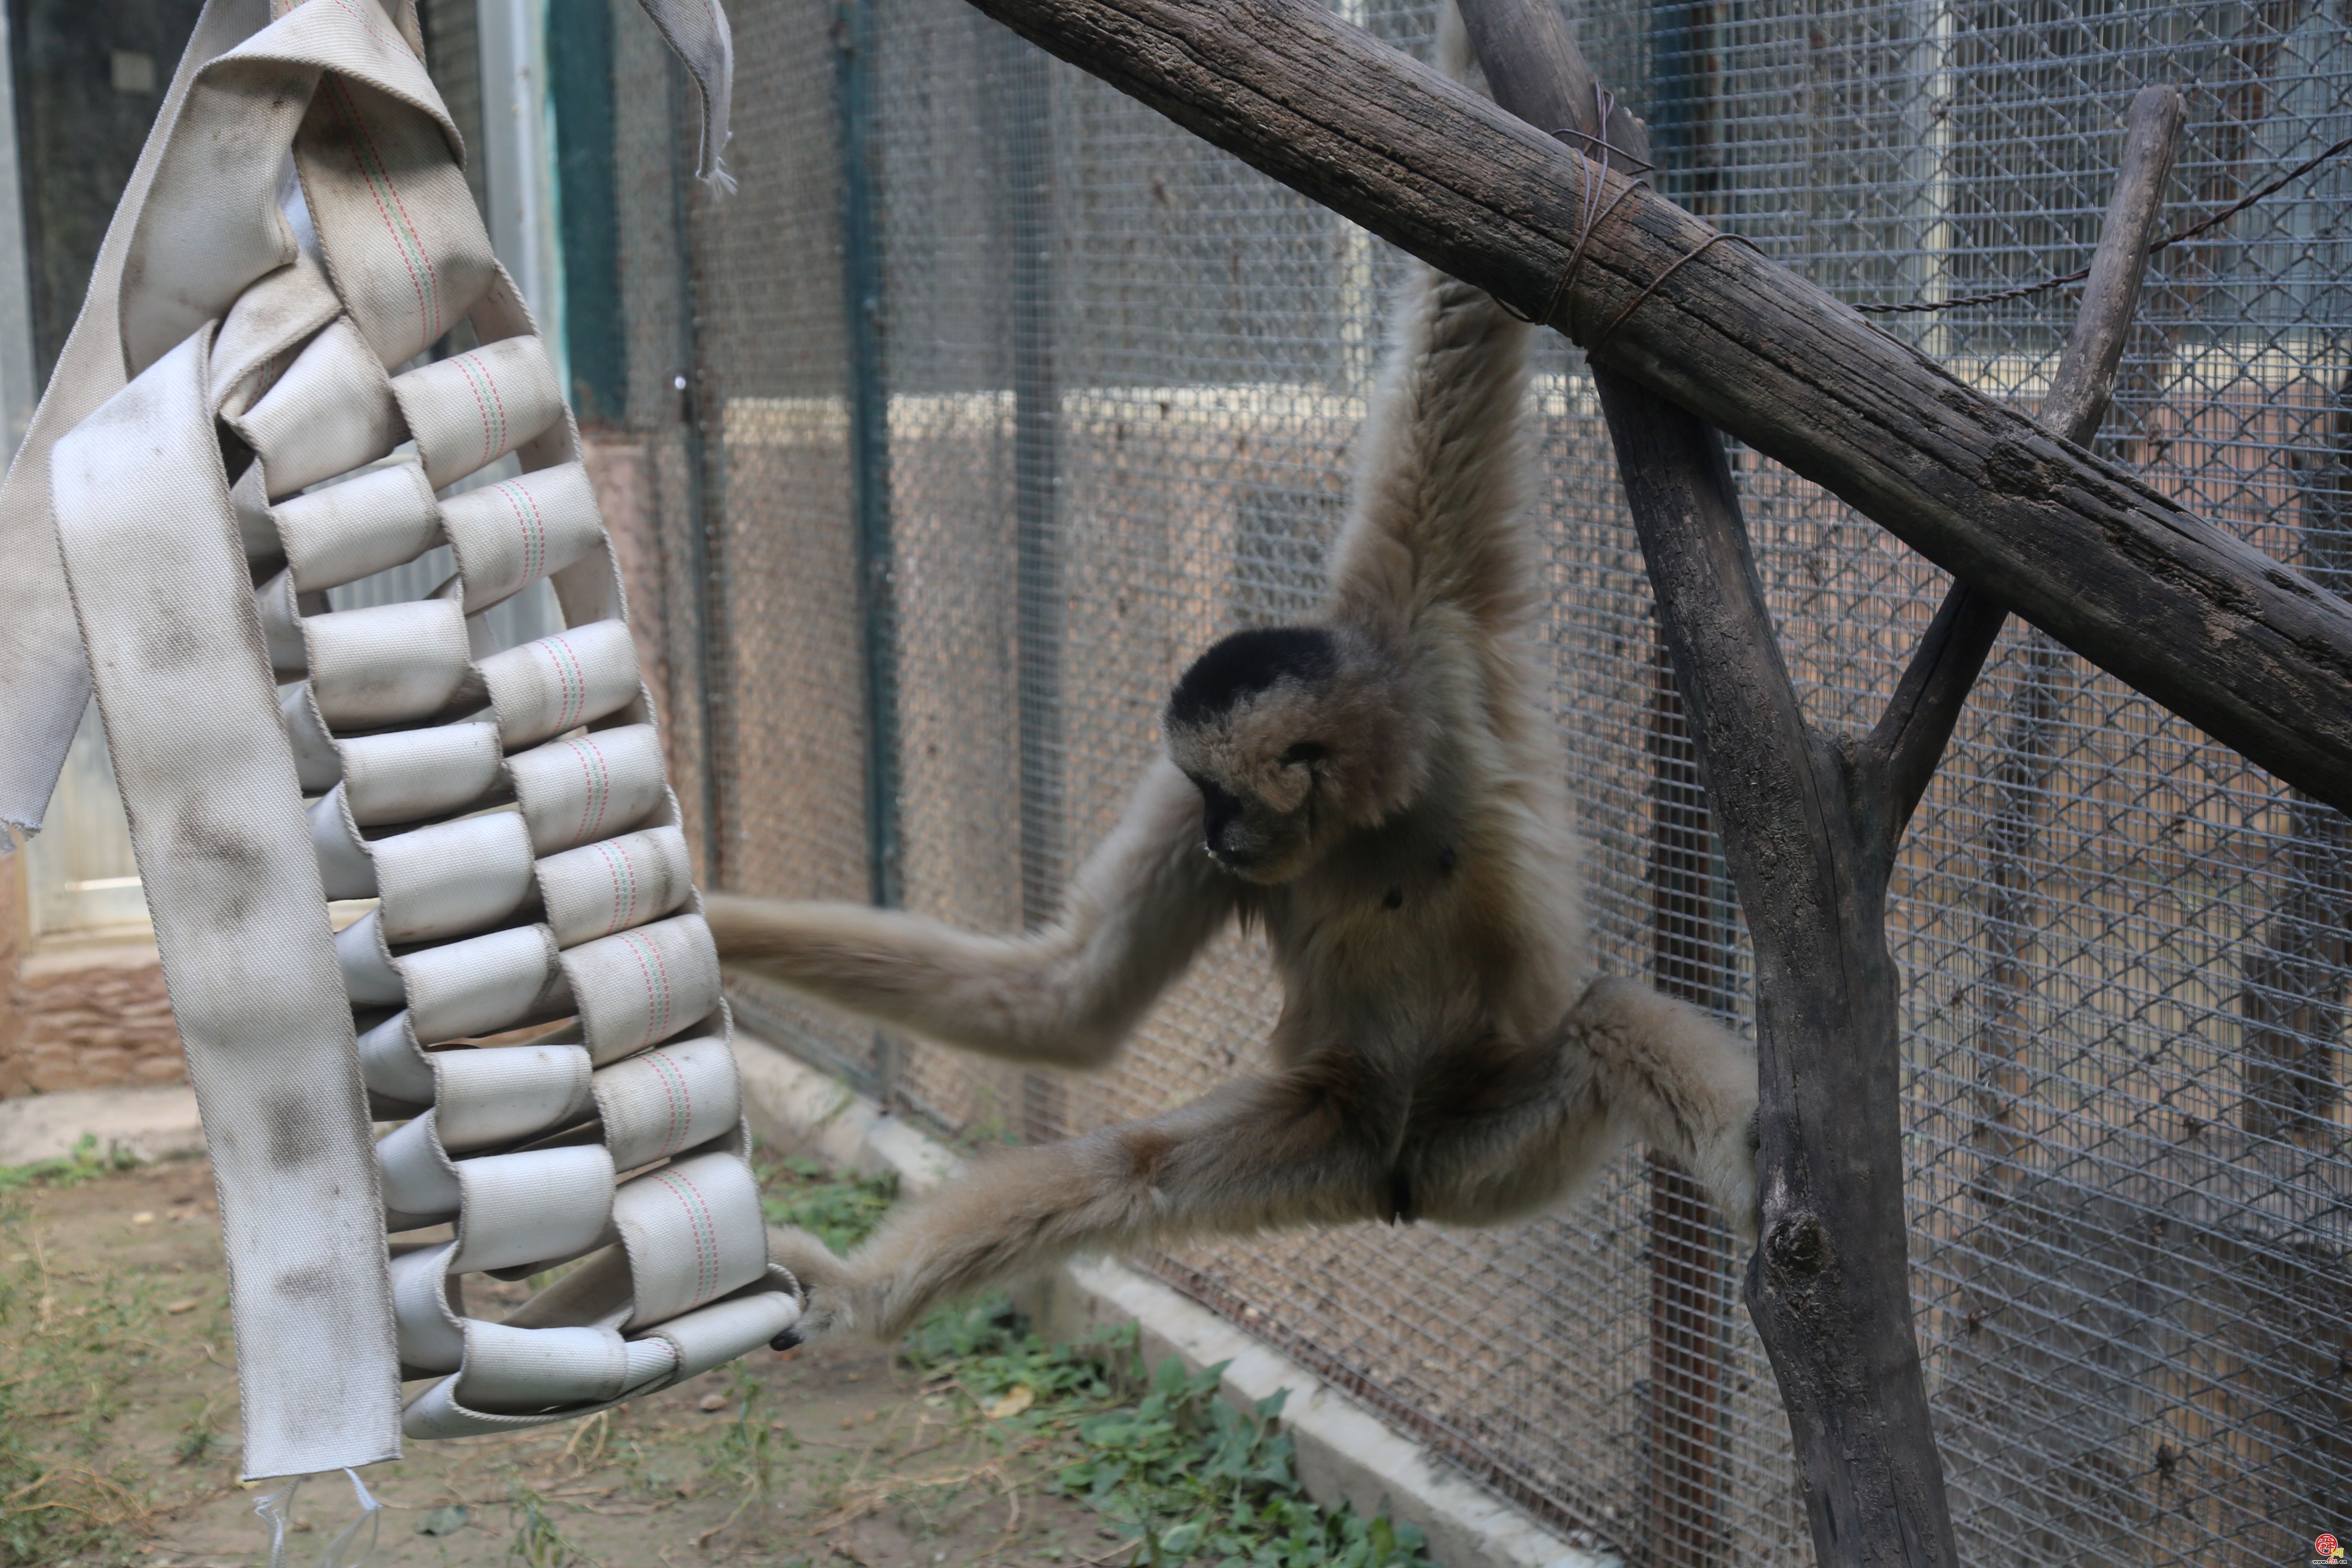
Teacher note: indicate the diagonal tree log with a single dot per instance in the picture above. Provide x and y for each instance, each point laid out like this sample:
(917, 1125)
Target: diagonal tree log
(1810, 824)
(2171, 604)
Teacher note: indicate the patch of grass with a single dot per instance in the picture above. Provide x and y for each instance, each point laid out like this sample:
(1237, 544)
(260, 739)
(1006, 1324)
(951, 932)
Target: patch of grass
(85, 1160)
(747, 1451)
(68, 1352)
(1178, 1470)
(840, 1210)
(197, 1439)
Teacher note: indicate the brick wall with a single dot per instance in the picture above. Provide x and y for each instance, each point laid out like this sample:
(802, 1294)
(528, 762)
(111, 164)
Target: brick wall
(93, 1015)
(81, 1014)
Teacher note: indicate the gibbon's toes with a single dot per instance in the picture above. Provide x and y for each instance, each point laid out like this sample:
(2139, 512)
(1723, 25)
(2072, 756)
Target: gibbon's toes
(827, 1305)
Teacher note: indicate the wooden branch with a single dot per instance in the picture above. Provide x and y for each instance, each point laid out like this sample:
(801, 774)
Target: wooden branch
(1909, 741)
(2086, 370)
(2170, 603)
(1902, 753)
(1830, 1289)
(1811, 840)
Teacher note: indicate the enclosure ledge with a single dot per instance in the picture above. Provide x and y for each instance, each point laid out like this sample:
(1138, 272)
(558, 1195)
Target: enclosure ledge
(1345, 1453)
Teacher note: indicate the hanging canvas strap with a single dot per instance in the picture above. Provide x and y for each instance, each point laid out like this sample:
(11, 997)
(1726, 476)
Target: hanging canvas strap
(44, 677)
(240, 424)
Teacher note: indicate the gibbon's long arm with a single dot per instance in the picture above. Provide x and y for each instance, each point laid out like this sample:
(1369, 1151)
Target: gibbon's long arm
(1143, 905)
(1442, 472)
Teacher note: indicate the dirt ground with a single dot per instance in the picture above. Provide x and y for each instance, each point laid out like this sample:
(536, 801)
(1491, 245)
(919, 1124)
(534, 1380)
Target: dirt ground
(119, 1398)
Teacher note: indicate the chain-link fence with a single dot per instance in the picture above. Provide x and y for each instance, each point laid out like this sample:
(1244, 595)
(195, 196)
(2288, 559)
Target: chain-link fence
(1005, 397)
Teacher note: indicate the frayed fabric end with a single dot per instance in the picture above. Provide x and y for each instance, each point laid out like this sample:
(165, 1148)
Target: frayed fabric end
(719, 180)
(16, 835)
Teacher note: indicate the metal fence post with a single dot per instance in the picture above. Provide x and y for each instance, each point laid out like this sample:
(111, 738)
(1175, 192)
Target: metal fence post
(705, 495)
(856, 42)
(1036, 480)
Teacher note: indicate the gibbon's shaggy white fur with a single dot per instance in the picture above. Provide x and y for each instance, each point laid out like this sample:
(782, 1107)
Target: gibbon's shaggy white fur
(1382, 790)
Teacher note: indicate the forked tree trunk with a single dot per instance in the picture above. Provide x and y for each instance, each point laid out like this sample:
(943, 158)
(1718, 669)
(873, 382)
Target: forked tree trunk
(1811, 823)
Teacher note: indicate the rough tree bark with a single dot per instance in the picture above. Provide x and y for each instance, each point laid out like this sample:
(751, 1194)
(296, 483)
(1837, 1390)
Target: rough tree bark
(2173, 606)
(1811, 823)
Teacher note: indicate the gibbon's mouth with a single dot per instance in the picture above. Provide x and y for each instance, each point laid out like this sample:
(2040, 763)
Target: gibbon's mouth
(1265, 869)
(1239, 865)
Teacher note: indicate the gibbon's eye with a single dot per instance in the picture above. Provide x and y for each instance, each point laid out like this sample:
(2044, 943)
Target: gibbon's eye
(1306, 752)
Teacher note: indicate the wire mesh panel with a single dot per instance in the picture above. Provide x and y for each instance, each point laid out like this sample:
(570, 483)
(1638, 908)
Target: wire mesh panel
(1013, 397)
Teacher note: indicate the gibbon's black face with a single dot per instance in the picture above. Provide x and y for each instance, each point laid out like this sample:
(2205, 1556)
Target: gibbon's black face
(1261, 724)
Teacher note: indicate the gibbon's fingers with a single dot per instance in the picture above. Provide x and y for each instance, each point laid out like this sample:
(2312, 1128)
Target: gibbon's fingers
(1145, 902)
(1256, 1153)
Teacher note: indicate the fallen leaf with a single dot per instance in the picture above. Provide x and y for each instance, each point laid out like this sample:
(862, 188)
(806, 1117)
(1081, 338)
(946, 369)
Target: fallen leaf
(185, 1304)
(712, 1401)
(1022, 1397)
(145, 1217)
(447, 1520)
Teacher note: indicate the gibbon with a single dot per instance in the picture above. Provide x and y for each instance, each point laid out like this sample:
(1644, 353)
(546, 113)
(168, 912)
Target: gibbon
(1384, 792)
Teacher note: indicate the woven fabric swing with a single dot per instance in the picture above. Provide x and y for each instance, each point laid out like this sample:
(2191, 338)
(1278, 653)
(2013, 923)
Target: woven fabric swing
(242, 420)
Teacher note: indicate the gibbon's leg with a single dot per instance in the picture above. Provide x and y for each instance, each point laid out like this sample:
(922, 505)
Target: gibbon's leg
(1628, 1063)
(1259, 1152)
(1142, 907)
(1681, 1082)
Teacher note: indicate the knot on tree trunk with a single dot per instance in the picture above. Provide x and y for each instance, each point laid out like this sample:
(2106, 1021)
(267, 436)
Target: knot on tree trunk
(1797, 1249)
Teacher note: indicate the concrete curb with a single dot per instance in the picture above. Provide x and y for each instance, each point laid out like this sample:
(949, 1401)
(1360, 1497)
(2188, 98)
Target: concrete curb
(1345, 1453)
(150, 1123)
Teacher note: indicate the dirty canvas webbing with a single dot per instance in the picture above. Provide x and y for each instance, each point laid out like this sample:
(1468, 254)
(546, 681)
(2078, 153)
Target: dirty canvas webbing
(238, 424)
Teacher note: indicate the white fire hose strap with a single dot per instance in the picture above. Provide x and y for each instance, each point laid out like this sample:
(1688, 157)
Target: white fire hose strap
(225, 857)
(505, 808)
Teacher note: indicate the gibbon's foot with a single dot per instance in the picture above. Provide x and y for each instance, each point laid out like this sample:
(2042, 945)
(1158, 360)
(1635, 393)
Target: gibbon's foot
(828, 1299)
(1684, 1084)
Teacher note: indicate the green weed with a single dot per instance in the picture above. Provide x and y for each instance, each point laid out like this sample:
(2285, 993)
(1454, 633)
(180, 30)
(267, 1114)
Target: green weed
(746, 1450)
(841, 1211)
(85, 1161)
(538, 1541)
(196, 1439)
(1178, 1471)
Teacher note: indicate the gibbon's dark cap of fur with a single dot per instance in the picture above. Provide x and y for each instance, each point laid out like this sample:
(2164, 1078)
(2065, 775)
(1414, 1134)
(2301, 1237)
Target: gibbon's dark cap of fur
(1247, 663)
